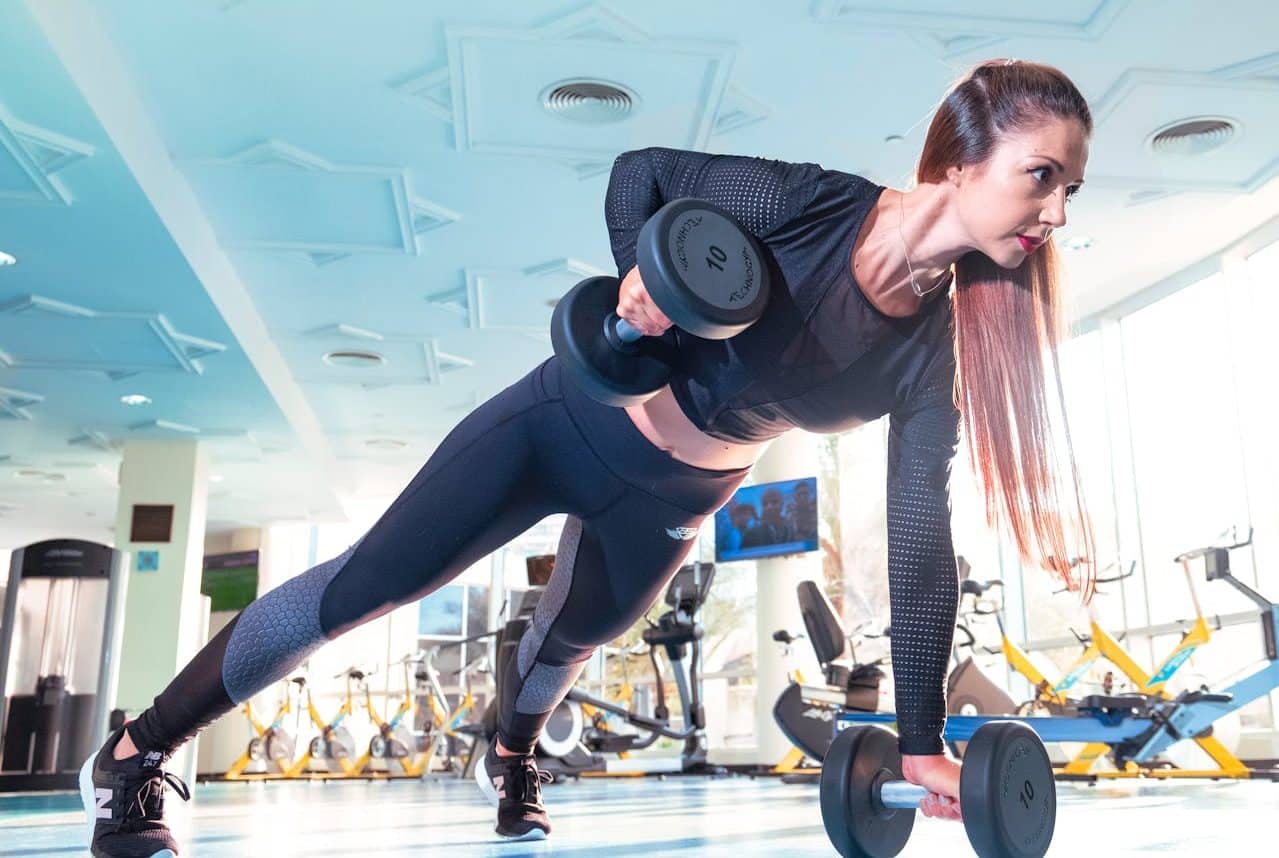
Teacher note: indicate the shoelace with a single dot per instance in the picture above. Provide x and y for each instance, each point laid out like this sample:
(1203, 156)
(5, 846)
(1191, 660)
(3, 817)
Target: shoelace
(148, 801)
(533, 780)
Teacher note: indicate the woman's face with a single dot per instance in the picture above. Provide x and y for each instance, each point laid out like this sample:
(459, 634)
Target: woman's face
(1013, 202)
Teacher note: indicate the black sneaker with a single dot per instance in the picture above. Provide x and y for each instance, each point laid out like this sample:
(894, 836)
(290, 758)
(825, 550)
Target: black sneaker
(514, 786)
(124, 803)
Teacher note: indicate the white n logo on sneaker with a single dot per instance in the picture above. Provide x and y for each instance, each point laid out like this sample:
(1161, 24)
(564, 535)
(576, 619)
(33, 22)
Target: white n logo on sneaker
(499, 784)
(103, 798)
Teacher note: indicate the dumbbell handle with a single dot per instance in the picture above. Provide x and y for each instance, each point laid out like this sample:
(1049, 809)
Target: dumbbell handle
(622, 329)
(902, 795)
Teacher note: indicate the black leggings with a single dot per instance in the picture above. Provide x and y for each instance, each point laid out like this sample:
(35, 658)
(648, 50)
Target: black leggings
(537, 448)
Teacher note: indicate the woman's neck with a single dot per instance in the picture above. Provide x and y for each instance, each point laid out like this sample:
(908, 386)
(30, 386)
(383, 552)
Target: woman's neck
(879, 261)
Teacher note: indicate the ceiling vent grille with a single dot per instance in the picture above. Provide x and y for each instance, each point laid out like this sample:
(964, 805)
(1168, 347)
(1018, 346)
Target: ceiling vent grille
(1193, 136)
(592, 102)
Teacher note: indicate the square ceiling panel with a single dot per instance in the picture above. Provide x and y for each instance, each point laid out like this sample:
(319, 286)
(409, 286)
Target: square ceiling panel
(521, 299)
(500, 79)
(1144, 101)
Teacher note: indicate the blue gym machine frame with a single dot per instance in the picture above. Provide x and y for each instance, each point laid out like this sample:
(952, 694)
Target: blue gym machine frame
(1138, 738)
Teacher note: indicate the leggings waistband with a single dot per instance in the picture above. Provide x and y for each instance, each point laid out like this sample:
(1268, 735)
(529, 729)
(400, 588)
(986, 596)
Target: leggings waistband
(633, 457)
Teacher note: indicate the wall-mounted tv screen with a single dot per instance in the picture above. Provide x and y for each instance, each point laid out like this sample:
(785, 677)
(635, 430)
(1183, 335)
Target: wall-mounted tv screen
(767, 520)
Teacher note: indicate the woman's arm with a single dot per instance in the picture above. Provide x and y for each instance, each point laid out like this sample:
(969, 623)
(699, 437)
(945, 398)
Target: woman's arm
(922, 579)
(761, 194)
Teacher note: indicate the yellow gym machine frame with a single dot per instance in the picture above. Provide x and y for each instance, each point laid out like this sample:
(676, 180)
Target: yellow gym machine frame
(328, 731)
(1103, 645)
(412, 762)
(1228, 765)
(262, 740)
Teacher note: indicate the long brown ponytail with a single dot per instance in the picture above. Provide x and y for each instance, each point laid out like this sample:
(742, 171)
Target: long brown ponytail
(1008, 325)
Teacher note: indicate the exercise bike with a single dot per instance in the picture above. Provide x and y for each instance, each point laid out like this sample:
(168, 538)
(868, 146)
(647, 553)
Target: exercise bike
(271, 746)
(807, 714)
(1152, 687)
(1052, 698)
(449, 734)
(335, 746)
(568, 748)
(395, 743)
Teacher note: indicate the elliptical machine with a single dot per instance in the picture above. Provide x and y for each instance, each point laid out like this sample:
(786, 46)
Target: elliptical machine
(569, 746)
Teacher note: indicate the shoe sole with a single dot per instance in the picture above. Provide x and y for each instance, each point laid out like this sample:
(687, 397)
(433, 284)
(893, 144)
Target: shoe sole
(535, 834)
(484, 782)
(486, 786)
(89, 798)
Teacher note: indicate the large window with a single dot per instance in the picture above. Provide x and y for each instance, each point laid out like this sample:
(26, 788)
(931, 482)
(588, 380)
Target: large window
(1254, 290)
(1049, 611)
(1186, 451)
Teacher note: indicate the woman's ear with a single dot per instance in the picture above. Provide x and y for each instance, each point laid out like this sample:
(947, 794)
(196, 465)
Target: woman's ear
(955, 174)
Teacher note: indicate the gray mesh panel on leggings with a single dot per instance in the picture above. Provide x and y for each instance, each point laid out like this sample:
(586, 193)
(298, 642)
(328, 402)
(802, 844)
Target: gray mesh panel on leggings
(278, 631)
(544, 685)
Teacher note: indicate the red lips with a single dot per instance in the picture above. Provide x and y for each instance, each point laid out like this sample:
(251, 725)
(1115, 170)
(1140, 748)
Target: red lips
(1028, 244)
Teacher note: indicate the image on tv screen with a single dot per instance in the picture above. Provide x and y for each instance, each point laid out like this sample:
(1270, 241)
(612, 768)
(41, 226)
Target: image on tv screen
(767, 520)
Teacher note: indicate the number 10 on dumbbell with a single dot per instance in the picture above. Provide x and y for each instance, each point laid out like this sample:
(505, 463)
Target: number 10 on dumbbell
(700, 267)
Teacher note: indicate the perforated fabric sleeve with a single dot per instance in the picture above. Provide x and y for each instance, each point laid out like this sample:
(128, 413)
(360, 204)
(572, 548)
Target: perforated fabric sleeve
(923, 582)
(853, 365)
(760, 193)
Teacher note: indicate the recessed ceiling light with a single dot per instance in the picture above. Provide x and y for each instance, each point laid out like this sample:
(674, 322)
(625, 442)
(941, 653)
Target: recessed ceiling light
(7, 259)
(216, 478)
(1077, 242)
(135, 399)
(385, 444)
(354, 359)
(36, 475)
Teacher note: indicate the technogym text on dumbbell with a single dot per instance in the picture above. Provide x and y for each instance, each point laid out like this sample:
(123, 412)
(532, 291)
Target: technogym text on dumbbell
(700, 267)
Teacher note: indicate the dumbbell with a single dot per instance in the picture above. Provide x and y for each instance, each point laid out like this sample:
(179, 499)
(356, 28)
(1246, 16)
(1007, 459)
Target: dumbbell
(700, 267)
(1006, 790)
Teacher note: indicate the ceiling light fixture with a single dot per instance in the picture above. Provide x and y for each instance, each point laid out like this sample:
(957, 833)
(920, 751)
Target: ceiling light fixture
(135, 399)
(7, 259)
(385, 444)
(354, 359)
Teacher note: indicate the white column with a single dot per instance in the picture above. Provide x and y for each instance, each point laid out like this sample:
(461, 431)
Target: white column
(165, 615)
(790, 457)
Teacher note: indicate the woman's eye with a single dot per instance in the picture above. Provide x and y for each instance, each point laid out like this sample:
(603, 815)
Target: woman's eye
(1047, 170)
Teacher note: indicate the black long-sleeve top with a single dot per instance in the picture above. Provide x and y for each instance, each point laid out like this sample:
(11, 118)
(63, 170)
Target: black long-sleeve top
(824, 359)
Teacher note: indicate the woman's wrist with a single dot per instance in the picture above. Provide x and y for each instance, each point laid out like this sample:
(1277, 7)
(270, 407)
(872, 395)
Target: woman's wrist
(918, 762)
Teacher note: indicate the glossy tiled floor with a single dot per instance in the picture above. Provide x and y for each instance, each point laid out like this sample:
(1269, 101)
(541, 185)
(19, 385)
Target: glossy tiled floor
(734, 816)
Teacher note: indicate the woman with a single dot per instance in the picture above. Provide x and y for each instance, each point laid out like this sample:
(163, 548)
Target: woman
(863, 321)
